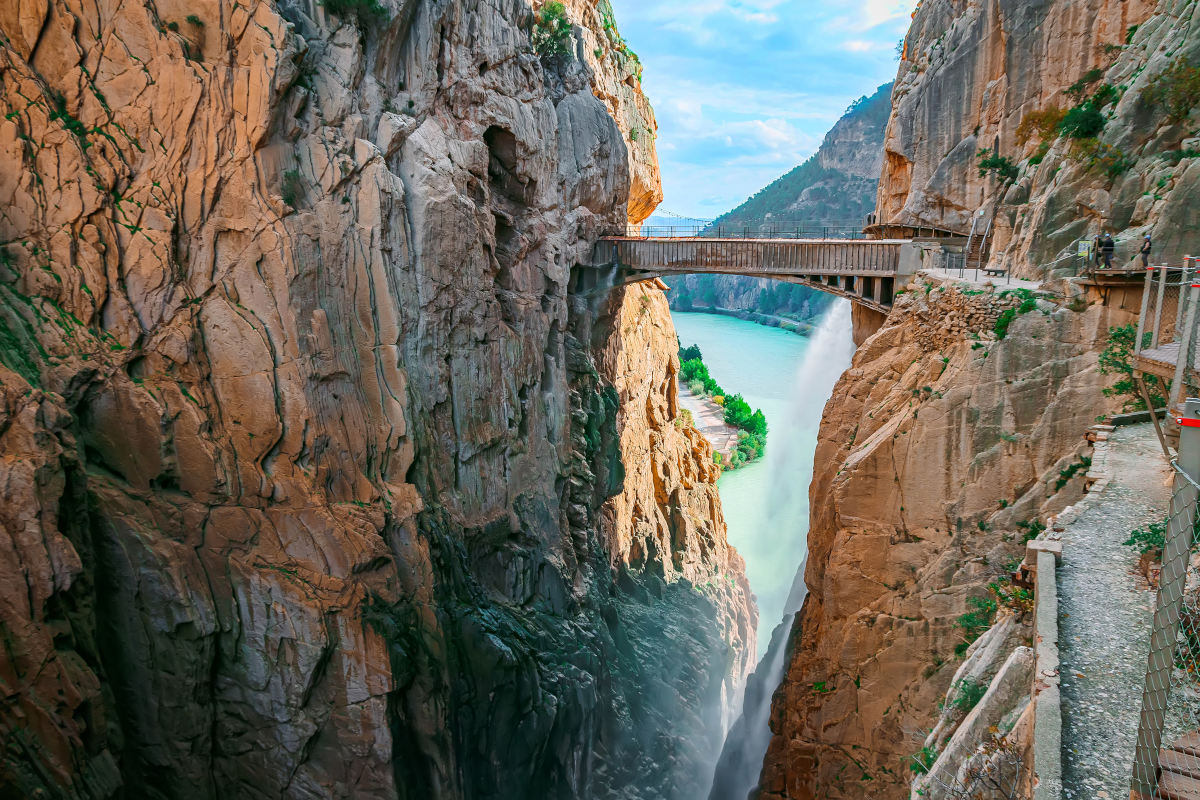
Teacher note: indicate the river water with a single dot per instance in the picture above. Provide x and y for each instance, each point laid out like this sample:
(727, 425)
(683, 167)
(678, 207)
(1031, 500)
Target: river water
(766, 503)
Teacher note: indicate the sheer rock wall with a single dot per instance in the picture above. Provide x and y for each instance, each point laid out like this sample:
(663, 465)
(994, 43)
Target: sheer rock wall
(307, 458)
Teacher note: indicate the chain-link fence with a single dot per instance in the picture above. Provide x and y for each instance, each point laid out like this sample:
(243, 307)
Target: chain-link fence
(1167, 758)
(1165, 343)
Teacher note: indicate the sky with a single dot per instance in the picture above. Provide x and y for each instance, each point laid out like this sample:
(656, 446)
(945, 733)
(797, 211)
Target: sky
(745, 90)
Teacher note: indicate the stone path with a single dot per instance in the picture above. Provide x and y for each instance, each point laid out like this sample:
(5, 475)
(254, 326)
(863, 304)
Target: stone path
(1105, 608)
(710, 421)
(978, 278)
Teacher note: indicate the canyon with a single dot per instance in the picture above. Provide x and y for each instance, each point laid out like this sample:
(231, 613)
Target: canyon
(326, 470)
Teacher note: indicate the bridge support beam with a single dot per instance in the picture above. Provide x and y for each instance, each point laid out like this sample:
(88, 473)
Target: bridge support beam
(865, 321)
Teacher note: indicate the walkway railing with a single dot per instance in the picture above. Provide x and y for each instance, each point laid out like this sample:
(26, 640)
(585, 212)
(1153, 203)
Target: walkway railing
(747, 232)
(1167, 758)
(1166, 341)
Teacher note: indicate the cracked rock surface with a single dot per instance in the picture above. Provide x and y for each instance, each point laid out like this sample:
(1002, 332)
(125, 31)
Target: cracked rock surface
(307, 454)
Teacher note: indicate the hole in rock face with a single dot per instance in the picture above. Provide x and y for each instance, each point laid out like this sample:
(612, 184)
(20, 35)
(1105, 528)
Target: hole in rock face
(505, 180)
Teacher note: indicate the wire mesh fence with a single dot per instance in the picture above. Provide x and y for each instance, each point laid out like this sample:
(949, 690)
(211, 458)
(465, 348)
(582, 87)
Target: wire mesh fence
(1167, 328)
(747, 232)
(1167, 755)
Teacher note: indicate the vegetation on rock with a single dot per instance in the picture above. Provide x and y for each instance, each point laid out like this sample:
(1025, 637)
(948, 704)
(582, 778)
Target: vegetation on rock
(552, 31)
(1177, 89)
(1117, 359)
(366, 12)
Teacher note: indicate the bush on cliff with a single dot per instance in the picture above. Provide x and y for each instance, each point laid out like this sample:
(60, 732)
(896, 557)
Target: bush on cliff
(1177, 88)
(1117, 359)
(365, 12)
(552, 31)
(1084, 121)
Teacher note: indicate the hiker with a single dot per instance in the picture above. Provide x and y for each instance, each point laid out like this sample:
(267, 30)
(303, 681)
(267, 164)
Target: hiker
(1107, 248)
(1099, 240)
(1147, 246)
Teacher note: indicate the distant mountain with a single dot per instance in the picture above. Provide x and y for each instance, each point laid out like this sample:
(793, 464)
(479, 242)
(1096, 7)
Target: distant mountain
(836, 187)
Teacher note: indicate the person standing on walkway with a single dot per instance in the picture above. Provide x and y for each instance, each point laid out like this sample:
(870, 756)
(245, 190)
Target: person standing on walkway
(1107, 248)
(1147, 246)
(1099, 240)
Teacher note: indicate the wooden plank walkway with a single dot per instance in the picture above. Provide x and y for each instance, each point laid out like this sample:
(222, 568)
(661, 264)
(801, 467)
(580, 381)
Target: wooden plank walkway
(1180, 764)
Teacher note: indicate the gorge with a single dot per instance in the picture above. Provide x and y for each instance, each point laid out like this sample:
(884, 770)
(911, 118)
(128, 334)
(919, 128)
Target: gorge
(330, 466)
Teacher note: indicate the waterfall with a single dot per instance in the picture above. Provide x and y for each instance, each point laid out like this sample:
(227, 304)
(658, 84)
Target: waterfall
(826, 358)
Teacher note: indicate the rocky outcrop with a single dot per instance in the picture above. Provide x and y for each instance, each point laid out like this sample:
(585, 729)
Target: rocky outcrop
(307, 456)
(973, 72)
(937, 444)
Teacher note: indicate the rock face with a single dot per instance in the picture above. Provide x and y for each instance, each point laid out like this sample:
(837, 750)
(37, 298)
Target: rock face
(308, 443)
(936, 445)
(974, 71)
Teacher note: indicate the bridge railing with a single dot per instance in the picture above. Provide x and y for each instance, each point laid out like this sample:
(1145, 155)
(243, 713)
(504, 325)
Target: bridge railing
(690, 255)
(746, 232)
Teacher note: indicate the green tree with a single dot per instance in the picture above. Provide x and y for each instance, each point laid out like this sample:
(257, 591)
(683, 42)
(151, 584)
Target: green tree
(1177, 88)
(1117, 359)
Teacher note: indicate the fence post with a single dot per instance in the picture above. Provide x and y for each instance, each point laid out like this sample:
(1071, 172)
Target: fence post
(1141, 326)
(1164, 633)
(1158, 306)
(1185, 336)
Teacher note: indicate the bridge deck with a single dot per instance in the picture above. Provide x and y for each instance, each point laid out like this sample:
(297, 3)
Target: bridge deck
(864, 271)
(765, 257)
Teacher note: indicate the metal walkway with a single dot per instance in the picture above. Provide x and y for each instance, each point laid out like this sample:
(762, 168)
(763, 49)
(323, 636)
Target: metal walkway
(865, 271)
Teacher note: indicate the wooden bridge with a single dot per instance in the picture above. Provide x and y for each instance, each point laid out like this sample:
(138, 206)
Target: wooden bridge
(869, 272)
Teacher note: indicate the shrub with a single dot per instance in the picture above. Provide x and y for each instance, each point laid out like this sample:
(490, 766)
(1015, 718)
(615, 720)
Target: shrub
(292, 187)
(552, 31)
(192, 19)
(923, 760)
(1130, 33)
(1082, 122)
(1077, 90)
(1107, 93)
(1044, 124)
(968, 692)
(1003, 167)
(1150, 539)
(719, 399)
(1015, 598)
(696, 388)
(1039, 156)
(1033, 528)
(690, 353)
(1105, 158)
(1117, 359)
(365, 12)
(1177, 88)
(977, 620)
(684, 419)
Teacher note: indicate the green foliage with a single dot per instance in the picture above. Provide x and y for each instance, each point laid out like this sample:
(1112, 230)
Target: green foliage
(684, 419)
(1117, 359)
(365, 12)
(1084, 121)
(968, 692)
(1003, 321)
(1002, 166)
(696, 371)
(1150, 539)
(59, 112)
(1105, 94)
(923, 760)
(1028, 303)
(978, 619)
(1077, 90)
(291, 187)
(1096, 155)
(690, 353)
(751, 423)
(1033, 528)
(1177, 89)
(1065, 475)
(192, 19)
(1130, 32)
(696, 388)
(1011, 596)
(739, 414)
(552, 31)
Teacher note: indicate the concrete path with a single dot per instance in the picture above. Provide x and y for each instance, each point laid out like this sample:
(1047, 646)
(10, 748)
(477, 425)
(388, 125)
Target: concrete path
(1105, 608)
(710, 421)
(978, 278)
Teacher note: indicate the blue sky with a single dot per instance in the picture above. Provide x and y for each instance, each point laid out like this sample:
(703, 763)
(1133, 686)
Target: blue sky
(744, 90)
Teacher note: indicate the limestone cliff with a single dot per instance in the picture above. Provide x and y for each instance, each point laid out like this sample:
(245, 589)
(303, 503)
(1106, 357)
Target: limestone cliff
(937, 444)
(308, 442)
(974, 71)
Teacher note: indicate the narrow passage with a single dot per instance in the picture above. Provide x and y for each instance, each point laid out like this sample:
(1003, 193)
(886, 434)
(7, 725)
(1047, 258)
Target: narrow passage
(1105, 607)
